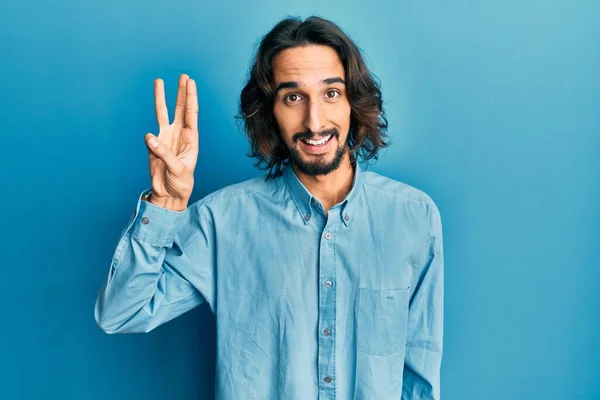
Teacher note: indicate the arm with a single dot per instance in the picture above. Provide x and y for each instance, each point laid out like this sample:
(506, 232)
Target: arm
(425, 320)
(162, 267)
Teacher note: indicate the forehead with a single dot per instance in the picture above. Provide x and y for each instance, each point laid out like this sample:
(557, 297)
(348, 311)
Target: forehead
(307, 65)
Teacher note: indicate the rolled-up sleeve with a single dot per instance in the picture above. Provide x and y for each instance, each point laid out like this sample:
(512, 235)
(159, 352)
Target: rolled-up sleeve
(161, 268)
(423, 359)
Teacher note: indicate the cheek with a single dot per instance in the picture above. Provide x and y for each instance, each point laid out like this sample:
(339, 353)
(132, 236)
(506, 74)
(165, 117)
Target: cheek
(288, 121)
(341, 116)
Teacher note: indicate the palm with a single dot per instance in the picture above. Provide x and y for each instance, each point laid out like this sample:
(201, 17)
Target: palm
(182, 141)
(174, 178)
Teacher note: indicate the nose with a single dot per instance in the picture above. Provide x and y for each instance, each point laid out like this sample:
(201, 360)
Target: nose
(315, 117)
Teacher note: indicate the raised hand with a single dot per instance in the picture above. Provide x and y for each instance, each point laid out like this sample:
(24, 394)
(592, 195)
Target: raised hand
(174, 153)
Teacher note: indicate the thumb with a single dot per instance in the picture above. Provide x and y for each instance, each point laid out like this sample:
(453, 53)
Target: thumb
(157, 148)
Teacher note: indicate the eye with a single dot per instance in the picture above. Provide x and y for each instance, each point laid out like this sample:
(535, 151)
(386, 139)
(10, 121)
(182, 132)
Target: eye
(291, 98)
(332, 94)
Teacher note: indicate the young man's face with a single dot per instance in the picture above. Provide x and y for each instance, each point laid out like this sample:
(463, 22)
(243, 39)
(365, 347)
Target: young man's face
(311, 107)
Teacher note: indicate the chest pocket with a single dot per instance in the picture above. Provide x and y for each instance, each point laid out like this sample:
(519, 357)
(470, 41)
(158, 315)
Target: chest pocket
(381, 321)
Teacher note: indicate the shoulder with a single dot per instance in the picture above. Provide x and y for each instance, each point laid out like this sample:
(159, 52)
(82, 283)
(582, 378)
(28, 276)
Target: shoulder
(399, 193)
(241, 191)
(404, 199)
(375, 182)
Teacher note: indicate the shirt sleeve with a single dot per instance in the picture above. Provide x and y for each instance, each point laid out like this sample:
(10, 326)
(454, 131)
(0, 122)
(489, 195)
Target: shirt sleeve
(423, 359)
(161, 268)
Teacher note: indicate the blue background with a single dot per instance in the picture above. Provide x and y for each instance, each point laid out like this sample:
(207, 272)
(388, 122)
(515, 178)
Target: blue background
(494, 110)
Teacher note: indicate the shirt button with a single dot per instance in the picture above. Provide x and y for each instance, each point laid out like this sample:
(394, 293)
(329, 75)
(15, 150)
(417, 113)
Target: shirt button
(346, 217)
(327, 379)
(145, 220)
(307, 217)
(328, 283)
(328, 235)
(327, 332)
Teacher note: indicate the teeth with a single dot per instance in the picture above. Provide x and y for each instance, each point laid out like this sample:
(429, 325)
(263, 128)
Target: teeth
(318, 142)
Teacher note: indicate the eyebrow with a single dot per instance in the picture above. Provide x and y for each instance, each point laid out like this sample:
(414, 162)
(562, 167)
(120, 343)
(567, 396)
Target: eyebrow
(294, 85)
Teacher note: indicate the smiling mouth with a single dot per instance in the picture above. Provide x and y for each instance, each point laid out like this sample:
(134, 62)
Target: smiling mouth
(317, 143)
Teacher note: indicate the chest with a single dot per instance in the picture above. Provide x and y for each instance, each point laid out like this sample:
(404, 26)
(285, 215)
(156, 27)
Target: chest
(273, 260)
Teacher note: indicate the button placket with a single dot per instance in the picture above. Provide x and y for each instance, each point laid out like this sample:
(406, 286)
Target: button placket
(327, 307)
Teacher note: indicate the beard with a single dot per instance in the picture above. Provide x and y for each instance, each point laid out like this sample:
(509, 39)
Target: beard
(320, 166)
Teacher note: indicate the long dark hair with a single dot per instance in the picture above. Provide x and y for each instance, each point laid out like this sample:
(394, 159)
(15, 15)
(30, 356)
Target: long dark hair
(368, 124)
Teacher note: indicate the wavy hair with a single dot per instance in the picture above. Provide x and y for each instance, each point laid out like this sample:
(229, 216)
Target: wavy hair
(368, 123)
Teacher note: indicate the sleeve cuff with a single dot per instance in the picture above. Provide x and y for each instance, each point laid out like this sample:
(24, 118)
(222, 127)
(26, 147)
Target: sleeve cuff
(155, 224)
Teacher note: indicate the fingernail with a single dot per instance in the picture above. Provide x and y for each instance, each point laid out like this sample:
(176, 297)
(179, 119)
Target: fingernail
(153, 142)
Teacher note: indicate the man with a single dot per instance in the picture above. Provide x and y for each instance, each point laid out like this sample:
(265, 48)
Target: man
(326, 280)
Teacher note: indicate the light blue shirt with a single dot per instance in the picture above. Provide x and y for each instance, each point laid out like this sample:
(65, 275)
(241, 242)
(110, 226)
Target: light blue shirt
(347, 305)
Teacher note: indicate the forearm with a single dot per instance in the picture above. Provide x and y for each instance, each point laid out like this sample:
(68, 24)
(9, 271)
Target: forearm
(124, 299)
(140, 291)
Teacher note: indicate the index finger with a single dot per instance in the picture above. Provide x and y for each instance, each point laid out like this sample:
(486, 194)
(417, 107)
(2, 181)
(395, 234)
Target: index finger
(160, 105)
(191, 105)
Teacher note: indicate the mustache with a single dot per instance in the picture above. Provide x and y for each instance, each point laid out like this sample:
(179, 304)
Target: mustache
(310, 135)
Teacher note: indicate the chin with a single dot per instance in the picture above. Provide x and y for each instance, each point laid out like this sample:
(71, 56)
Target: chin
(322, 164)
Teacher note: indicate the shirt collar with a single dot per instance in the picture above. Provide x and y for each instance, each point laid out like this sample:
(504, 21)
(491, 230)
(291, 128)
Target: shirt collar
(303, 198)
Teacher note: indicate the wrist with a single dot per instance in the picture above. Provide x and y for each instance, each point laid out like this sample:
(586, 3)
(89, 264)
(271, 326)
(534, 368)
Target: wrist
(170, 203)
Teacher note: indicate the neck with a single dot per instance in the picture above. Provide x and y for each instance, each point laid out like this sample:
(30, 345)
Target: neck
(332, 188)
